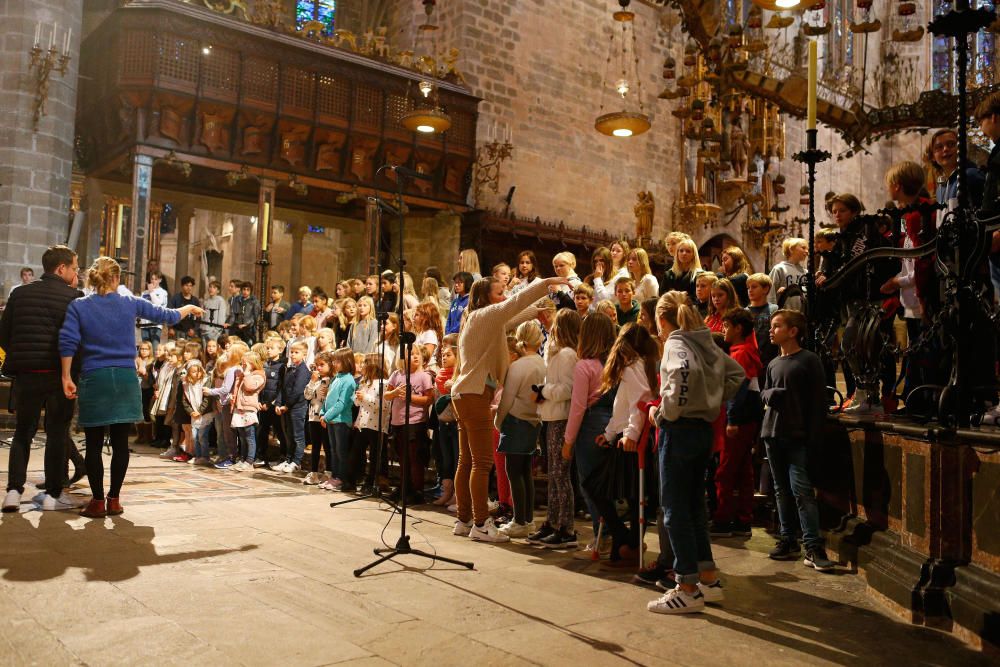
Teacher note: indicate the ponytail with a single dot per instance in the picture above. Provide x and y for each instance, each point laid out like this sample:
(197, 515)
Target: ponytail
(676, 308)
(102, 274)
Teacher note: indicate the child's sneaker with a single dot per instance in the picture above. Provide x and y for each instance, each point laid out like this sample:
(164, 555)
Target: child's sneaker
(513, 529)
(785, 549)
(560, 539)
(462, 528)
(712, 592)
(540, 534)
(224, 464)
(293, 468)
(325, 485)
(336, 484)
(487, 533)
(311, 479)
(677, 601)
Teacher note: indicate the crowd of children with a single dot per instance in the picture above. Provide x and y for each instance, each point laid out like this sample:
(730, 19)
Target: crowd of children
(324, 395)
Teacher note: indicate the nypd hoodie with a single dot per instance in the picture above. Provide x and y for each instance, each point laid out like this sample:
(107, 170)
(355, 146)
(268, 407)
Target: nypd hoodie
(696, 376)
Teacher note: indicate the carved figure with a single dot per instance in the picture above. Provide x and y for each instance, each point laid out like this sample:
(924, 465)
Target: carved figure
(214, 134)
(644, 210)
(427, 65)
(368, 43)
(252, 137)
(405, 59)
(739, 146)
(381, 47)
(450, 71)
(342, 37)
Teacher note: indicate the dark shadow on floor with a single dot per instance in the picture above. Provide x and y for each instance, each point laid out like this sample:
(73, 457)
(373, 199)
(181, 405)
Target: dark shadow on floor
(835, 631)
(112, 549)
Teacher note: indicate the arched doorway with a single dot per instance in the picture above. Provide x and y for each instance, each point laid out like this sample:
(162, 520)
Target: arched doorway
(710, 252)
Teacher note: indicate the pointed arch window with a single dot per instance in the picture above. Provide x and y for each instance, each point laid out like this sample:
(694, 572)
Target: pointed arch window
(324, 11)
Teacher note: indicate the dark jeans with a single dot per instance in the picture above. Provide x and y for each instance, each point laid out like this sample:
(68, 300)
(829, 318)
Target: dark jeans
(246, 436)
(32, 392)
(339, 435)
(685, 448)
(447, 436)
(522, 486)
(269, 420)
(295, 426)
(95, 458)
(788, 460)
(321, 439)
(417, 453)
(364, 447)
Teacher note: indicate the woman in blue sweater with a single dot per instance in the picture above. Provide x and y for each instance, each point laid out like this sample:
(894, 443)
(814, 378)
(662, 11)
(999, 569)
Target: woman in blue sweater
(101, 327)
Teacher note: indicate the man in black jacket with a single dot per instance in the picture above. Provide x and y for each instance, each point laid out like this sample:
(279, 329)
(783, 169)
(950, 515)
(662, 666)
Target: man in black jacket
(29, 333)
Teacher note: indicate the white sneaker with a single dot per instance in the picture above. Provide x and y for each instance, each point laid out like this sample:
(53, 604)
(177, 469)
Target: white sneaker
(292, 467)
(514, 529)
(281, 467)
(462, 528)
(311, 479)
(487, 533)
(12, 501)
(63, 502)
(677, 601)
(712, 592)
(453, 508)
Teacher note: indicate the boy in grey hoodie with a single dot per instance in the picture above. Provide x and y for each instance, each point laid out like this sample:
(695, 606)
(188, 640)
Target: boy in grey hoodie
(696, 377)
(788, 273)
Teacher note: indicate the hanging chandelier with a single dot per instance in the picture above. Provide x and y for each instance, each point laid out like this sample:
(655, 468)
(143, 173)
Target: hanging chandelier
(428, 117)
(624, 123)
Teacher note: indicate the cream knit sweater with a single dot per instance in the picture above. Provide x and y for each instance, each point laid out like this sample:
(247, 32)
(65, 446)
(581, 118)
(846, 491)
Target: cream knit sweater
(482, 344)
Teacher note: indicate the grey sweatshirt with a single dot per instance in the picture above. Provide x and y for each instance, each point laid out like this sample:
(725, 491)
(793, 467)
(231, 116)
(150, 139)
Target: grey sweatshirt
(696, 376)
(786, 274)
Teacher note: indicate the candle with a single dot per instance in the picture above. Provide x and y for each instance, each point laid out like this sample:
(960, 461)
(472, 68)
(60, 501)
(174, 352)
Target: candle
(38, 33)
(52, 36)
(267, 215)
(69, 35)
(118, 226)
(811, 99)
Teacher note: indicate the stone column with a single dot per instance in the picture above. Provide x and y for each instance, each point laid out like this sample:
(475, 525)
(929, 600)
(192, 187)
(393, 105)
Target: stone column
(35, 164)
(298, 230)
(184, 213)
(142, 182)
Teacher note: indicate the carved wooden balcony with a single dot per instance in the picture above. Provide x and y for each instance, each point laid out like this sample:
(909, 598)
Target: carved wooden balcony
(224, 96)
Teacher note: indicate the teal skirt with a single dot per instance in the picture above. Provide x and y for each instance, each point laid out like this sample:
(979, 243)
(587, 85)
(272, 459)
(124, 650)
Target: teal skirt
(109, 396)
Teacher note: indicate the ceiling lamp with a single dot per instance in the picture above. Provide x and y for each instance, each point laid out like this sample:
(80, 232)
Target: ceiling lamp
(428, 117)
(786, 4)
(624, 123)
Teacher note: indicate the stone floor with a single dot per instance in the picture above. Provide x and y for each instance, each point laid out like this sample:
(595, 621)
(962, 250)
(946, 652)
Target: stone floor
(223, 568)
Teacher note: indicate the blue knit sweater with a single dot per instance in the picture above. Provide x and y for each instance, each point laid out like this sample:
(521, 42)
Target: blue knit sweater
(340, 400)
(102, 328)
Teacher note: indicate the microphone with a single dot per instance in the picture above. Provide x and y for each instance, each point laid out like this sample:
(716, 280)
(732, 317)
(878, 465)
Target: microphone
(412, 173)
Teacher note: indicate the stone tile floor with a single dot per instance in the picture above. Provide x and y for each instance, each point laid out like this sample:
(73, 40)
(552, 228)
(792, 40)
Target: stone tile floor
(223, 568)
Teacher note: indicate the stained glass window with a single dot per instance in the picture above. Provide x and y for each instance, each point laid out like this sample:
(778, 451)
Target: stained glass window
(982, 53)
(323, 11)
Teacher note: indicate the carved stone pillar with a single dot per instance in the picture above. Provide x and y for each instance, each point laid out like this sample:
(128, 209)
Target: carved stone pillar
(142, 185)
(298, 230)
(184, 213)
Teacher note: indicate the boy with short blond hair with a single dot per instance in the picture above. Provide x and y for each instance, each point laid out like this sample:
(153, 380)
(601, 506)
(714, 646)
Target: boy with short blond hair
(758, 288)
(789, 273)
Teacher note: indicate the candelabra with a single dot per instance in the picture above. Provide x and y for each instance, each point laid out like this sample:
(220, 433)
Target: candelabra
(811, 157)
(45, 62)
(489, 157)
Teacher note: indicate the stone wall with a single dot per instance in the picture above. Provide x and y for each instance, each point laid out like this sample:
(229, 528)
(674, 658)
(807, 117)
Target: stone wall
(35, 167)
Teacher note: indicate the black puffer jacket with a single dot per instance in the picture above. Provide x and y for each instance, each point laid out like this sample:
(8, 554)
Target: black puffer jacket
(29, 329)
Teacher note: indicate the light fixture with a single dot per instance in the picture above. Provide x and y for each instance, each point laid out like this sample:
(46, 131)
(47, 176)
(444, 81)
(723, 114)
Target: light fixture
(426, 121)
(428, 118)
(624, 123)
(786, 4)
(206, 50)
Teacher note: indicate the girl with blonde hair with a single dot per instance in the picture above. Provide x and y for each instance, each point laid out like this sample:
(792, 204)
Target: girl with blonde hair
(468, 261)
(364, 334)
(682, 275)
(646, 284)
(696, 376)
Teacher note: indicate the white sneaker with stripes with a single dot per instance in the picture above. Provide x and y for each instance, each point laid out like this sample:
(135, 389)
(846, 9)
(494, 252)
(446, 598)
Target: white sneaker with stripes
(711, 592)
(677, 601)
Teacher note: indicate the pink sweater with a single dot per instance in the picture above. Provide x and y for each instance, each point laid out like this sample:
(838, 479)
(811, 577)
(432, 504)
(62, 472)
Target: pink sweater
(586, 391)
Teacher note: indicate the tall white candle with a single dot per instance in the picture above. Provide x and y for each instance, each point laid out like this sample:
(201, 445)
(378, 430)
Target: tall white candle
(118, 226)
(811, 99)
(52, 36)
(267, 216)
(69, 36)
(38, 33)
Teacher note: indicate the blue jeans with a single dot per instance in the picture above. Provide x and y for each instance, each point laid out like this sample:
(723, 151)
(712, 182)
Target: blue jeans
(151, 335)
(203, 440)
(296, 426)
(788, 468)
(247, 437)
(684, 450)
(447, 435)
(340, 445)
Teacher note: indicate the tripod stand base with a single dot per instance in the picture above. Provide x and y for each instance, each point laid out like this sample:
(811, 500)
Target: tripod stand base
(403, 548)
(377, 496)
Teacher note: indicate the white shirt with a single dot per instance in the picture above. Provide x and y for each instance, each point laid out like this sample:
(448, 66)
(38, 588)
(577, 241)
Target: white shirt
(626, 417)
(429, 337)
(558, 385)
(518, 399)
(604, 290)
(648, 288)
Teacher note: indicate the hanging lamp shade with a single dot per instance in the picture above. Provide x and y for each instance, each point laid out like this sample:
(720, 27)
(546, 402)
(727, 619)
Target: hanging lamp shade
(622, 124)
(426, 121)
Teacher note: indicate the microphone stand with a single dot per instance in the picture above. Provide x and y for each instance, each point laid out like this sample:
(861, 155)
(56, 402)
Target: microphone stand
(382, 445)
(406, 340)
